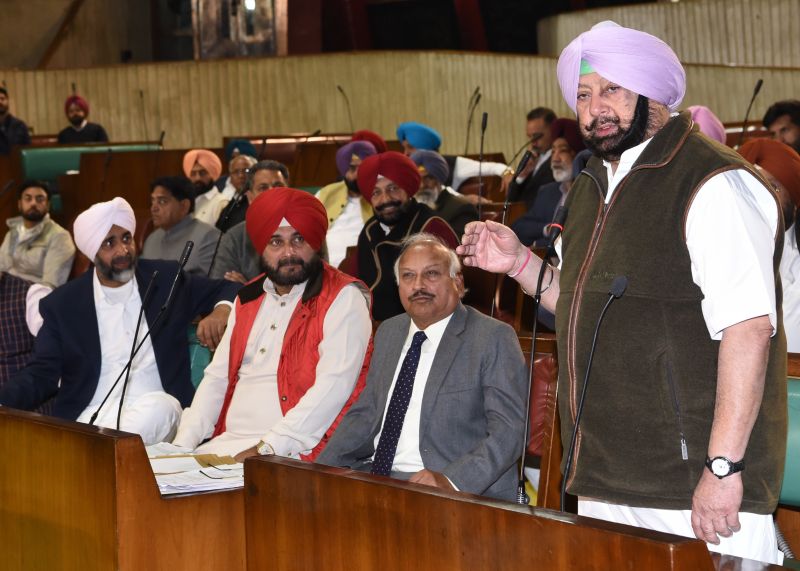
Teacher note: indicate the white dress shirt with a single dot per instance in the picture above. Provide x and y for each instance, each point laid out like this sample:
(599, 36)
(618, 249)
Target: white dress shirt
(344, 231)
(407, 458)
(790, 278)
(209, 205)
(255, 413)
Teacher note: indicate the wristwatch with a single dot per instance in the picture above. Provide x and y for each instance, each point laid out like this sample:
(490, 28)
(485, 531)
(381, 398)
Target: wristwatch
(264, 449)
(722, 467)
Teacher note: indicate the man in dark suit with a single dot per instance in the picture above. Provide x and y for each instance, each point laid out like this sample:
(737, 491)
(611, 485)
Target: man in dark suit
(89, 326)
(444, 401)
(454, 208)
(537, 173)
(13, 131)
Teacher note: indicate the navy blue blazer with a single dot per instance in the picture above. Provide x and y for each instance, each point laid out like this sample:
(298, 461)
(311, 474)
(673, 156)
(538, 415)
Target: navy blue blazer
(68, 344)
(530, 227)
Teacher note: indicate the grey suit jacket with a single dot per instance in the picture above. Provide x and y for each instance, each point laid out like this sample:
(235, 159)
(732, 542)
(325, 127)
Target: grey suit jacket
(472, 416)
(236, 254)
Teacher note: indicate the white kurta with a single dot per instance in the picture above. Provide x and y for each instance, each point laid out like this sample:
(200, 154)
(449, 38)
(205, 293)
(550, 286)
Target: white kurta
(790, 278)
(209, 205)
(255, 412)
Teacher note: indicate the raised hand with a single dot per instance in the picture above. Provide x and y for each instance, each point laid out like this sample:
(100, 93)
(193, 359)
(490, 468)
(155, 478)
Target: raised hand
(492, 247)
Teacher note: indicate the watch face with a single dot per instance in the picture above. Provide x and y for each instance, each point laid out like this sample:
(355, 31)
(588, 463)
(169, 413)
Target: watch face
(720, 467)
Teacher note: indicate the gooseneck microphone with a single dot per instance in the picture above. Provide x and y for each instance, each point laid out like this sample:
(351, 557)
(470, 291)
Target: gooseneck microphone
(756, 89)
(474, 99)
(484, 121)
(147, 293)
(187, 250)
(616, 290)
(557, 226)
(347, 104)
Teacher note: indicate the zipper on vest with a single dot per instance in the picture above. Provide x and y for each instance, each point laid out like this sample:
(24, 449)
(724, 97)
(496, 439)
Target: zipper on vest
(677, 406)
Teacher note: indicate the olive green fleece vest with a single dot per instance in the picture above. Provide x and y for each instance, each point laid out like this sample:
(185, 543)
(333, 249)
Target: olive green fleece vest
(649, 408)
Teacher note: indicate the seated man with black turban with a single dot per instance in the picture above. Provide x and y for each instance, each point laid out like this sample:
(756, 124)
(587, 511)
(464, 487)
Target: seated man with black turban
(297, 346)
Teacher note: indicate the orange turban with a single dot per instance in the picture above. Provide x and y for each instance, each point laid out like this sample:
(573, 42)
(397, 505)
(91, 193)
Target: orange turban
(395, 166)
(207, 160)
(779, 159)
(304, 212)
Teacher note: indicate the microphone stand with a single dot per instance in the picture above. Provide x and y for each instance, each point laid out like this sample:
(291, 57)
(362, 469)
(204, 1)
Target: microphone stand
(484, 120)
(225, 217)
(557, 226)
(756, 89)
(347, 104)
(471, 106)
(618, 287)
(187, 249)
(147, 293)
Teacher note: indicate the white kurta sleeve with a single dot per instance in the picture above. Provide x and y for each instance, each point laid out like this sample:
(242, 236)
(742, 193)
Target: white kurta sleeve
(730, 234)
(198, 421)
(346, 332)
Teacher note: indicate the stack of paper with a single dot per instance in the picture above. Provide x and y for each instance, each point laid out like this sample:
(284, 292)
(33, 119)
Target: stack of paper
(180, 473)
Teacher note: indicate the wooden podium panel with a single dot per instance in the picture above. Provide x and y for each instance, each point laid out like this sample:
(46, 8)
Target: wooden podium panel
(306, 516)
(78, 497)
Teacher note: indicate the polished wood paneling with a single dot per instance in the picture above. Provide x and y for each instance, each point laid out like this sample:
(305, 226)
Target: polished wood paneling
(199, 103)
(741, 32)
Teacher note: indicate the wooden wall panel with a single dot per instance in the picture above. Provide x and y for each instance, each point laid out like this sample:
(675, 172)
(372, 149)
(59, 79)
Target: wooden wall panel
(742, 32)
(198, 103)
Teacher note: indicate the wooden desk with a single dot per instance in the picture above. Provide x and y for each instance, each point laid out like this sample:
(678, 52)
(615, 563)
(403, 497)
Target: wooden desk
(305, 516)
(79, 497)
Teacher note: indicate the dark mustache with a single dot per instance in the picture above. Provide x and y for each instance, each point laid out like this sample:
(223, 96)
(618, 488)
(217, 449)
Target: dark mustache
(291, 261)
(121, 259)
(605, 121)
(385, 205)
(420, 295)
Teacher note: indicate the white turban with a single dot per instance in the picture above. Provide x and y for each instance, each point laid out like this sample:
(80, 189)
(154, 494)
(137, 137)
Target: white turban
(91, 226)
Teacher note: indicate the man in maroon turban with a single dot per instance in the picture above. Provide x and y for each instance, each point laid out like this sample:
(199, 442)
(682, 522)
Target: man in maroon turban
(389, 181)
(297, 347)
(76, 108)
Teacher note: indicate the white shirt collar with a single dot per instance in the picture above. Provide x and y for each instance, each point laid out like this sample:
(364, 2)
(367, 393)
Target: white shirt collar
(105, 295)
(296, 291)
(433, 332)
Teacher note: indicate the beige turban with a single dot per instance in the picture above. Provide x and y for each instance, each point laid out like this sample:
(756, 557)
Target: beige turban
(207, 160)
(92, 226)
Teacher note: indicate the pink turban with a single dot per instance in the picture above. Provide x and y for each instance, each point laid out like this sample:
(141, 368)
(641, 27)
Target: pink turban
(207, 160)
(708, 123)
(91, 226)
(633, 59)
(302, 210)
(76, 100)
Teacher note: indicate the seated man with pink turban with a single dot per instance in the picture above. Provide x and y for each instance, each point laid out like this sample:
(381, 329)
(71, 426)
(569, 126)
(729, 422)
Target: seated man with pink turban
(684, 424)
(297, 347)
(80, 130)
(83, 347)
(347, 208)
(203, 168)
(389, 181)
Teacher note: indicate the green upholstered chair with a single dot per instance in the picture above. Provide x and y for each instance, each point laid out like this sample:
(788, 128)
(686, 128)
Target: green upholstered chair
(199, 356)
(790, 493)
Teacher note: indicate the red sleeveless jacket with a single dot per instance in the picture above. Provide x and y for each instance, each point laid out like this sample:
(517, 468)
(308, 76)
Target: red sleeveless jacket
(297, 365)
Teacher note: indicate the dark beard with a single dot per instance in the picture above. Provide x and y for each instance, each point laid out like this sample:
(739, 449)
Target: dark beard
(76, 121)
(310, 270)
(392, 219)
(33, 215)
(201, 188)
(352, 186)
(611, 148)
(108, 272)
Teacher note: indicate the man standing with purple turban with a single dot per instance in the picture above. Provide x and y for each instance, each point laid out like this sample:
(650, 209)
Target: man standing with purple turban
(684, 425)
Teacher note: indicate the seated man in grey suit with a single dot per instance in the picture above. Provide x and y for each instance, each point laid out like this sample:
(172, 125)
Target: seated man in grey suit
(443, 405)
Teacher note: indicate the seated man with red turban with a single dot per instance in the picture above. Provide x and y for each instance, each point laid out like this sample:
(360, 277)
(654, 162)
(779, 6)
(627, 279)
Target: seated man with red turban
(296, 350)
(203, 168)
(389, 181)
(76, 108)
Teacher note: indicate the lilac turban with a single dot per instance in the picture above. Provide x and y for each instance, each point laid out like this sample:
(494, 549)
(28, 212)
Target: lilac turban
(708, 123)
(344, 156)
(633, 59)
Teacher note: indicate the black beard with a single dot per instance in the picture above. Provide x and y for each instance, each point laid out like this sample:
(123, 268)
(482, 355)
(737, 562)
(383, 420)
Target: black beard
(392, 219)
(33, 215)
(352, 186)
(611, 148)
(110, 273)
(76, 121)
(310, 270)
(201, 188)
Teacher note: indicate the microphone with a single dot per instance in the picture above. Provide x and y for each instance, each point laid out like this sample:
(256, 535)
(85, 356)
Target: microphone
(484, 120)
(161, 139)
(756, 89)
(559, 218)
(524, 146)
(263, 148)
(616, 290)
(74, 88)
(147, 293)
(187, 249)
(347, 104)
(474, 99)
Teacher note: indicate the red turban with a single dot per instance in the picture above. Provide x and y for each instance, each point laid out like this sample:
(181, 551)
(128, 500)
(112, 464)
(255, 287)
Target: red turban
(371, 137)
(76, 100)
(301, 209)
(568, 130)
(208, 160)
(779, 159)
(395, 166)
